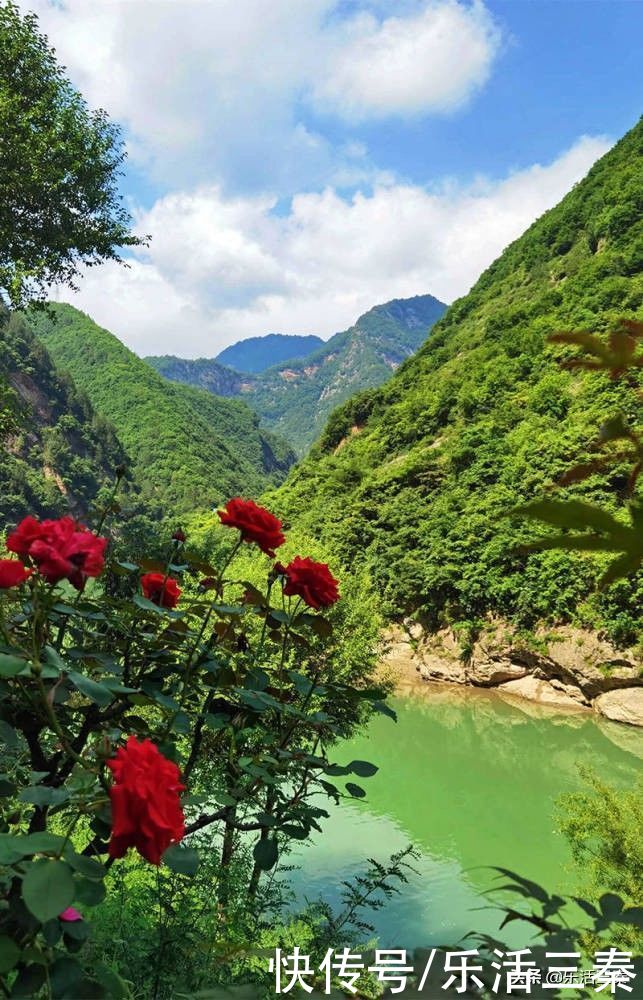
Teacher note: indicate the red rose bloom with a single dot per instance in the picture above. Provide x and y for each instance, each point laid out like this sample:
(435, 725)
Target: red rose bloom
(146, 809)
(22, 538)
(162, 590)
(12, 573)
(62, 549)
(310, 580)
(255, 523)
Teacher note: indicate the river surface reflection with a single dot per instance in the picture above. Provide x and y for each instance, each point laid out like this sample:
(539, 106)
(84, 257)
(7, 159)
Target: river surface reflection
(472, 781)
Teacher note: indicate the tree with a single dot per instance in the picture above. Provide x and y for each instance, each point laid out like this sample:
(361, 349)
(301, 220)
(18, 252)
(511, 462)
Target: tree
(59, 168)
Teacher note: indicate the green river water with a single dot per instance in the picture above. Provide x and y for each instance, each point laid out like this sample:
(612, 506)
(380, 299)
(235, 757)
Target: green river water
(471, 780)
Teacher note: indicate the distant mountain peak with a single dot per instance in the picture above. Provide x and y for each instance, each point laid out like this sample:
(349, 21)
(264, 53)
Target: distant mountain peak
(256, 354)
(295, 395)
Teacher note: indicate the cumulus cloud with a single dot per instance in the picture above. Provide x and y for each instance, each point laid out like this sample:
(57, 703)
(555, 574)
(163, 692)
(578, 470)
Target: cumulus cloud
(430, 61)
(220, 269)
(228, 90)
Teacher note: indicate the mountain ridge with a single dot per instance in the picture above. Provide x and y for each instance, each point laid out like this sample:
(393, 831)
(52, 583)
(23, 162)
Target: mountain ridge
(295, 397)
(415, 480)
(256, 354)
(58, 453)
(189, 449)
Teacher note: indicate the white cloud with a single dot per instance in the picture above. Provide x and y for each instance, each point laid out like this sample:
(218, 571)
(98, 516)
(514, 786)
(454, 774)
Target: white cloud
(431, 61)
(218, 89)
(221, 269)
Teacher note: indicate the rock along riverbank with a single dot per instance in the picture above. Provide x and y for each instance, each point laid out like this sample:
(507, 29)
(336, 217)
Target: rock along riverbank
(564, 667)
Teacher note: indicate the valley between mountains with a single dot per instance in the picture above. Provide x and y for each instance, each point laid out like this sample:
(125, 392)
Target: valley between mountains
(400, 445)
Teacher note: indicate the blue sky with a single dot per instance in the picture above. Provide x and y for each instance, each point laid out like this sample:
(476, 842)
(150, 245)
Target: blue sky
(566, 68)
(295, 163)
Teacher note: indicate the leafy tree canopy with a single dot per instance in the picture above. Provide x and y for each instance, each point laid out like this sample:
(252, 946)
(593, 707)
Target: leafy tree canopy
(59, 168)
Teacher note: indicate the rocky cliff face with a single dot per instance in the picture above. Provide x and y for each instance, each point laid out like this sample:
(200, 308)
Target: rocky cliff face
(564, 666)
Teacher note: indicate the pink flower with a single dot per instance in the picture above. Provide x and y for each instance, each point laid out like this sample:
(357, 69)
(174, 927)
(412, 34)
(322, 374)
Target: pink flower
(70, 915)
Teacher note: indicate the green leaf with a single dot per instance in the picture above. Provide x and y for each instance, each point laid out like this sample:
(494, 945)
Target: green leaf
(266, 853)
(572, 514)
(43, 795)
(90, 892)
(321, 626)
(54, 659)
(147, 605)
(64, 976)
(216, 721)
(117, 988)
(9, 736)
(335, 770)
(11, 849)
(42, 843)
(9, 954)
(85, 865)
(183, 860)
(355, 790)
(11, 666)
(91, 689)
(29, 981)
(47, 889)
(363, 768)
(234, 610)
(296, 832)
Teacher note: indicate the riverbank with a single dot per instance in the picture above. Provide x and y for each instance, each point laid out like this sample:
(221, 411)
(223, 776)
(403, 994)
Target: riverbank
(561, 669)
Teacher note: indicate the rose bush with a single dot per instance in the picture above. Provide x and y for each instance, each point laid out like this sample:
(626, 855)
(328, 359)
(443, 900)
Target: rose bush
(149, 719)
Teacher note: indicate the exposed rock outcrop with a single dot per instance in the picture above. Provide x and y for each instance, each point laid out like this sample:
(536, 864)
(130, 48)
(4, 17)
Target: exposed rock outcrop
(622, 705)
(561, 666)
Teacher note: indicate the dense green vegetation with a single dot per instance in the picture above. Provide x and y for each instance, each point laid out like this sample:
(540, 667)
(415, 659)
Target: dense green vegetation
(295, 399)
(188, 448)
(59, 169)
(57, 452)
(415, 480)
(603, 826)
(258, 353)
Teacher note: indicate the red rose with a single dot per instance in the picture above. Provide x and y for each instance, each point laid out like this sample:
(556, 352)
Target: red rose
(162, 590)
(61, 549)
(255, 523)
(310, 580)
(22, 538)
(146, 809)
(179, 536)
(12, 573)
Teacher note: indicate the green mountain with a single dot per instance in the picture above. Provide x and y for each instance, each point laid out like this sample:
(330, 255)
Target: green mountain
(57, 453)
(415, 479)
(296, 397)
(189, 449)
(258, 353)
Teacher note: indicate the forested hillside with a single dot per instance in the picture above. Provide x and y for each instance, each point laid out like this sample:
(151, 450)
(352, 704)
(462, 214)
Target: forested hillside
(416, 479)
(258, 353)
(57, 452)
(188, 448)
(295, 398)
